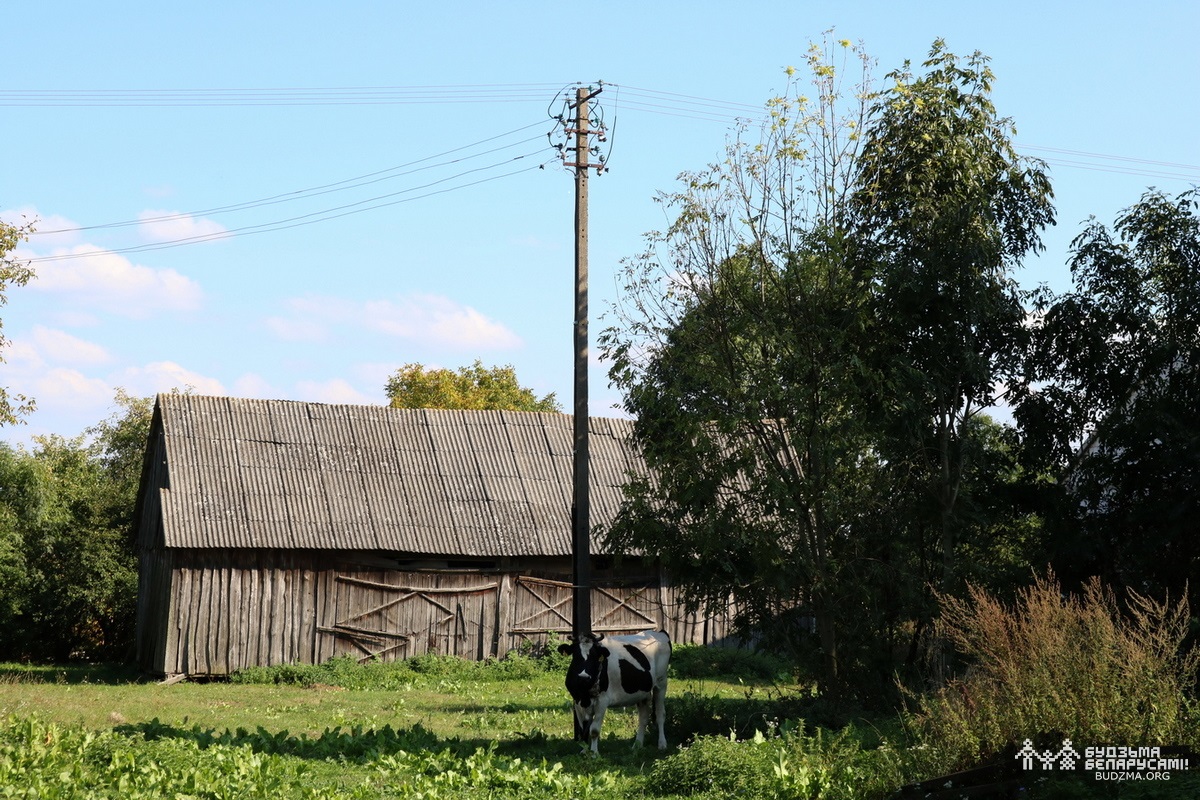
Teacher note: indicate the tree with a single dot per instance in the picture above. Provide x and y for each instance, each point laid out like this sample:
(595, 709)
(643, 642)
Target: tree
(1117, 360)
(118, 445)
(67, 559)
(737, 345)
(806, 351)
(475, 387)
(944, 212)
(12, 273)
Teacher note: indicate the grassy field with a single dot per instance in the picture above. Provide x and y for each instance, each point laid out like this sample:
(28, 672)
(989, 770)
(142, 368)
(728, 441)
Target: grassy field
(444, 729)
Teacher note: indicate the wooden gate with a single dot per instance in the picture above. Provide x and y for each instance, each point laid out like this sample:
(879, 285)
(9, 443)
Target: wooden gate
(541, 606)
(386, 621)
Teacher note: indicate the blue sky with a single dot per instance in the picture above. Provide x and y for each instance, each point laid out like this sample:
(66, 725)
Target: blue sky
(469, 254)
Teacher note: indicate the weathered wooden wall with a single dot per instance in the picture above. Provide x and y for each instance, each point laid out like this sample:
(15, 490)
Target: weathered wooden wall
(217, 611)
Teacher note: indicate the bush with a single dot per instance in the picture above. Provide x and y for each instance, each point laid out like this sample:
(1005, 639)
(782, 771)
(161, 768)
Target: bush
(696, 662)
(1063, 667)
(345, 671)
(789, 765)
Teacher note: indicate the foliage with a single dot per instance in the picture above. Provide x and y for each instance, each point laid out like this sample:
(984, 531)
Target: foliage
(73, 575)
(13, 272)
(784, 764)
(1080, 666)
(806, 351)
(67, 540)
(475, 387)
(943, 213)
(45, 760)
(697, 663)
(1119, 361)
(345, 671)
(737, 345)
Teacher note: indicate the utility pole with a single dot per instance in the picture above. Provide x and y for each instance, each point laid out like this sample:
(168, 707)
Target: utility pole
(581, 621)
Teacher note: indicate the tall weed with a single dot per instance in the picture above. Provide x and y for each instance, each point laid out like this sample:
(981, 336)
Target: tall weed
(786, 765)
(1078, 666)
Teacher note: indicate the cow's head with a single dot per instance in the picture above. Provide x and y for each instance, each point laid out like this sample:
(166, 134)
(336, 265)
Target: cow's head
(587, 675)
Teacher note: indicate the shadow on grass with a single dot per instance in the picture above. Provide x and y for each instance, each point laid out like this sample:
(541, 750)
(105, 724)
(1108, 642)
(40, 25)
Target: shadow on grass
(362, 745)
(104, 674)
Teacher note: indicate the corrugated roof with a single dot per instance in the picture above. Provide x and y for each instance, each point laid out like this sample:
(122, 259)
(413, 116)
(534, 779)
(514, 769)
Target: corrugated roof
(285, 474)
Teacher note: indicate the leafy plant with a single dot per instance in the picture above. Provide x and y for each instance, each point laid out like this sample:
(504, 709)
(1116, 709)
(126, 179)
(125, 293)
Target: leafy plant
(787, 764)
(1077, 666)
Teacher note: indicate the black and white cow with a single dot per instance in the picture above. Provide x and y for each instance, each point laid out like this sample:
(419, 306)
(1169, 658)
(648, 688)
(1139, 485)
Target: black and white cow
(618, 671)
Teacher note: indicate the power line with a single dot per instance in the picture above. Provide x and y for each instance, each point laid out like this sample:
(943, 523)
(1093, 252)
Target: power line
(304, 96)
(323, 215)
(301, 194)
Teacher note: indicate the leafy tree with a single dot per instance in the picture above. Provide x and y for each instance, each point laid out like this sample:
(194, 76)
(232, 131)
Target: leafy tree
(1114, 412)
(475, 387)
(944, 212)
(118, 444)
(12, 273)
(807, 351)
(736, 345)
(67, 561)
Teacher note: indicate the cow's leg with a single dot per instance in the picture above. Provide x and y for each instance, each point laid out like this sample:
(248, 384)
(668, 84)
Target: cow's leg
(660, 712)
(581, 723)
(594, 728)
(643, 720)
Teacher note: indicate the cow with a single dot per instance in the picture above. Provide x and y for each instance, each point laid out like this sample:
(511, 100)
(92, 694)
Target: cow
(617, 671)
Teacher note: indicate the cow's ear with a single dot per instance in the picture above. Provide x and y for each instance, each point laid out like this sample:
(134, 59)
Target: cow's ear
(602, 652)
(565, 649)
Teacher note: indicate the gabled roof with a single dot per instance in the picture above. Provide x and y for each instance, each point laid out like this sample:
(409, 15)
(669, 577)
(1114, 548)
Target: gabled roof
(285, 474)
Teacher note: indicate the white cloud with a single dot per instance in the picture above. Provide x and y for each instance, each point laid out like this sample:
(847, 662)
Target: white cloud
(253, 386)
(60, 389)
(170, 226)
(63, 348)
(425, 318)
(163, 376)
(297, 330)
(438, 320)
(48, 231)
(336, 390)
(99, 278)
(21, 355)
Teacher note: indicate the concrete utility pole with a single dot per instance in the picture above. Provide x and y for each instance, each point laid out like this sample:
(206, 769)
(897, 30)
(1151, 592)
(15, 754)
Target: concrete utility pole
(581, 621)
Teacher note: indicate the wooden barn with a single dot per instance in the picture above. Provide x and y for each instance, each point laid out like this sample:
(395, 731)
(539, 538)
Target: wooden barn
(275, 532)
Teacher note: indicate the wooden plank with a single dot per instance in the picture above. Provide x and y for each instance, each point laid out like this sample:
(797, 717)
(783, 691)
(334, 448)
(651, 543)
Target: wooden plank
(252, 616)
(291, 597)
(352, 630)
(487, 587)
(223, 618)
(504, 599)
(308, 610)
(381, 607)
(233, 615)
(545, 582)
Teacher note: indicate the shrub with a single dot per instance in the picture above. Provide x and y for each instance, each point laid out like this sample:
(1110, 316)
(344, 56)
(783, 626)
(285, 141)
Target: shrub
(345, 671)
(696, 662)
(1074, 666)
(789, 765)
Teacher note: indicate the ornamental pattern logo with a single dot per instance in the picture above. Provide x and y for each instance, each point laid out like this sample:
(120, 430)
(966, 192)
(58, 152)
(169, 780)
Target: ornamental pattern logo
(1109, 762)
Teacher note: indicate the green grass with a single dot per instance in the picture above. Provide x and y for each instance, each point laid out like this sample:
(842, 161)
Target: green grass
(427, 728)
(443, 728)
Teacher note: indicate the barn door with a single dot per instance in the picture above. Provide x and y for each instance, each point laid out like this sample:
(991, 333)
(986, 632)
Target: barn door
(387, 621)
(625, 608)
(542, 606)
